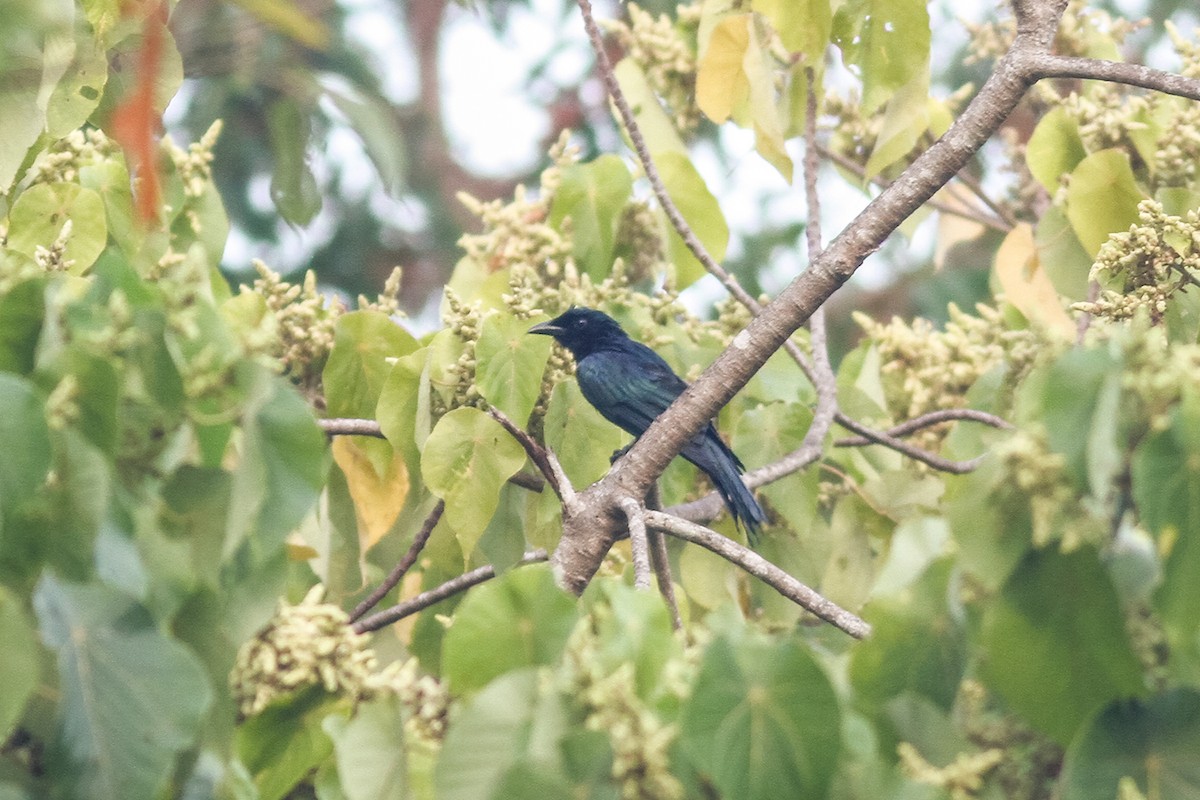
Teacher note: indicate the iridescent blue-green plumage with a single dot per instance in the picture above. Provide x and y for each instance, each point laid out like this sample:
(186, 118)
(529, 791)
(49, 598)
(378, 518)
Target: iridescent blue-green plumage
(630, 385)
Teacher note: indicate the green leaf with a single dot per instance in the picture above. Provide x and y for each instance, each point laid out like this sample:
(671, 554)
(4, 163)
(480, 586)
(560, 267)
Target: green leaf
(509, 364)
(887, 40)
(1060, 254)
(904, 123)
(466, 460)
(110, 179)
(1152, 742)
(520, 619)
(571, 419)
(375, 122)
(1102, 198)
(18, 661)
(633, 627)
(992, 529)
(371, 762)
(702, 212)
(803, 25)
(916, 644)
(593, 195)
(40, 212)
(293, 186)
(358, 364)
(403, 410)
(132, 698)
(1166, 489)
(23, 119)
(23, 427)
(1054, 148)
(282, 469)
(286, 741)
(1054, 642)
(21, 315)
(514, 725)
(763, 435)
(78, 91)
(1077, 407)
(657, 128)
(99, 398)
(760, 721)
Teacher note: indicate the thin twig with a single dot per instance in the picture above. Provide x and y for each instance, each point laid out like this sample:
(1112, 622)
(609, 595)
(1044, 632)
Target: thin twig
(762, 569)
(927, 420)
(915, 453)
(661, 561)
(1041, 65)
(638, 543)
(439, 593)
(693, 243)
(543, 458)
(351, 427)
(965, 212)
(821, 376)
(405, 564)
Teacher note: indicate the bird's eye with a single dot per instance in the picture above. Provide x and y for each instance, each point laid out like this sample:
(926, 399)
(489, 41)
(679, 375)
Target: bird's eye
(581, 323)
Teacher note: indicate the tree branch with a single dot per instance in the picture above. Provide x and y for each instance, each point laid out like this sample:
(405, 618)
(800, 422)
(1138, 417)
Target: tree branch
(925, 421)
(762, 569)
(544, 459)
(913, 452)
(1041, 65)
(394, 577)
(1037, 24)
(448, 589)
(351, 427)
(638, 542)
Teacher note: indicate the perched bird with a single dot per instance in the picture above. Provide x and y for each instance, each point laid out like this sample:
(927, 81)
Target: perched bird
(630, 385)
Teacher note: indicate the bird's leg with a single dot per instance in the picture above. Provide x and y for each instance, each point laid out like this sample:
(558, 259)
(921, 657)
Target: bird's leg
(620, 452)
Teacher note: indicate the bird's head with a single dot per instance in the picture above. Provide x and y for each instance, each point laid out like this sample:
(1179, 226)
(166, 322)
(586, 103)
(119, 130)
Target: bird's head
(581, 330)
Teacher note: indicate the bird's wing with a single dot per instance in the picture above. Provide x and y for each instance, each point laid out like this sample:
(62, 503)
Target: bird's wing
(629, 387)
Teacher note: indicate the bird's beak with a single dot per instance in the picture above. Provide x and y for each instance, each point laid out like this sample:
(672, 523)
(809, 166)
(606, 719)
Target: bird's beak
(546, 328)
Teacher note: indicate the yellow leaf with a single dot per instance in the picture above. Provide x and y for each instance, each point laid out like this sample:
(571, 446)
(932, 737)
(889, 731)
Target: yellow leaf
(377, 499)
(297, 550)
(721, 83)
(1026, 284)
(764, 110)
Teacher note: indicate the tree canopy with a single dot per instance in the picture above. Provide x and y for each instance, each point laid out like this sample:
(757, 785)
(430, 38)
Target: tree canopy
(259, 542)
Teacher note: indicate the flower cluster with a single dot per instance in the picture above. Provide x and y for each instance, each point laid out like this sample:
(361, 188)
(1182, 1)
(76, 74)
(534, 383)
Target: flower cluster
(1140, 269)
(298, 334)
(516, 233)
(641, 742)
(1036, 475)
(309, 644)
(1030, 762)
(194, 165)
(463, 320)
(62, 161)
(1178, 150)
(665, 50)
(963, 778)
(305, 321)
(925, 369)
(425, 698)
